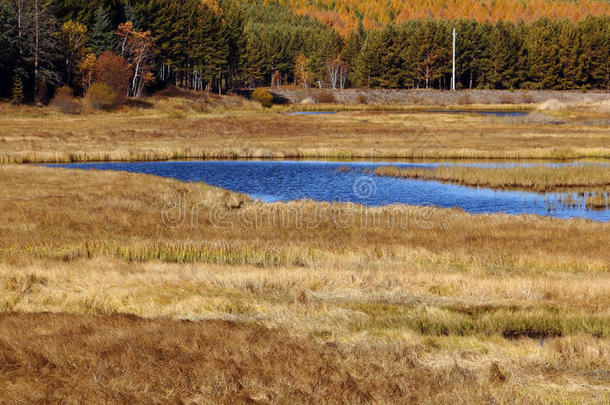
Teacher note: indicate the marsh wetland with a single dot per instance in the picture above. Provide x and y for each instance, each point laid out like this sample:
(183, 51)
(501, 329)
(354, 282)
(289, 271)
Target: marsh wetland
(195, 280)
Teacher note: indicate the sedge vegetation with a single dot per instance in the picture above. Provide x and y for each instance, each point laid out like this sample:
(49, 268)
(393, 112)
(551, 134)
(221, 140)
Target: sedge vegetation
(536, 178)
(164, 128)
(515, 308)
(117, 359)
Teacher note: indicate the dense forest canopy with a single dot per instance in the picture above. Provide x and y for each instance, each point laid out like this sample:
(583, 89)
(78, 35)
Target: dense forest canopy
(344, 15)
(221, 45)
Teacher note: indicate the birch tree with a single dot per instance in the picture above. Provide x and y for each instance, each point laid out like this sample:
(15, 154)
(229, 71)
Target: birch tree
(136, 48)
(72, 37)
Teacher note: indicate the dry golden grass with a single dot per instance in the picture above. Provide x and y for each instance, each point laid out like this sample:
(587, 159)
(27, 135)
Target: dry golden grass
(50, 358)
(283, 303)
(538, 178)
(182, 128)
(451, 306)
(598, 201)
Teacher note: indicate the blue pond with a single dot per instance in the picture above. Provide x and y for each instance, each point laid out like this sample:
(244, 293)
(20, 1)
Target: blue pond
(270, 181)
(483, 112)
(311, 112)
(480, 112)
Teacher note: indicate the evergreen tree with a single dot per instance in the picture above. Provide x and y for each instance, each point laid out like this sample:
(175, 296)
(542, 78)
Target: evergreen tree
(351, 50)
(234, 16)
(570, 57)
(595, 39)
(17, 90)
(102, 33)
(543, 67)
(37, 62)
(8, 49)
(471, 52)
(505, 57)
(368, 67)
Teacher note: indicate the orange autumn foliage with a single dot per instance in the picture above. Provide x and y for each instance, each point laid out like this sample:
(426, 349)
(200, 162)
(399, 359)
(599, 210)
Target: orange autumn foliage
(343, 15)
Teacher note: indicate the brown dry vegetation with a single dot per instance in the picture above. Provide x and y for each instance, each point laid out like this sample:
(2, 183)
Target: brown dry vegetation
(118, 287)
(537, 178)
(183, 128)
(598, 201)
(449, 306)
(55, 358)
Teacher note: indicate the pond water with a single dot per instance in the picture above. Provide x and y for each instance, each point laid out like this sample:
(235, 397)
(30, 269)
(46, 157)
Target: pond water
(311, 112)
(483, 112)
(271, 181)
(508, 113)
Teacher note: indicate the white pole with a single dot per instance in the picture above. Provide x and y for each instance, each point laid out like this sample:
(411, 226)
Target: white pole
(453, 77)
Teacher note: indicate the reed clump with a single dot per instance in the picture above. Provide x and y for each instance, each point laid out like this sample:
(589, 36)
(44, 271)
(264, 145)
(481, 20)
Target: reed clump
(534, 178)
(598, 201)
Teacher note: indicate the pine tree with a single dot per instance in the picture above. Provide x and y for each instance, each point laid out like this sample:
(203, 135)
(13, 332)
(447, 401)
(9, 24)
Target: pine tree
(102, 33)
(570, 57)
(543, 54)
(8, 50)
(505, 57)
(368, 67)
(132, 14)
(17, 90)
(351, 50)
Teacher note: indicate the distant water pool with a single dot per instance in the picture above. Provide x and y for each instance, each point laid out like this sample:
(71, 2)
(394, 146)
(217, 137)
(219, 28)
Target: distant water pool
(483, 112)
(354, 182)
(311, 112)
(508, 113)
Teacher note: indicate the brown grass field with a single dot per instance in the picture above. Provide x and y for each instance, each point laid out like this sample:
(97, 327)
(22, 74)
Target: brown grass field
(129, 288)
(183, 128)
(120, 287)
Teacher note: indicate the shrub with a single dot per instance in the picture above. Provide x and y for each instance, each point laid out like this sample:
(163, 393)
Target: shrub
(101, 96)
(113, 70)
(263, 97)
(362, 99)
(326, 96)
(65, 102)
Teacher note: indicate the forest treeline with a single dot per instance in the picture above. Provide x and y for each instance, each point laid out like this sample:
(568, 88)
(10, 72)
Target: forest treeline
(344, 15)
(221, 45)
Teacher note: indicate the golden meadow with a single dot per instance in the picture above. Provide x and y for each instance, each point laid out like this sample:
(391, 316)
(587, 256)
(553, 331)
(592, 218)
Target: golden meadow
(129, 287)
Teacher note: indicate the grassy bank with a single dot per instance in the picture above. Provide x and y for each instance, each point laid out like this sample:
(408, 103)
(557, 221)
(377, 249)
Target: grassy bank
(182, 128)
(539, 178)
(432, 297)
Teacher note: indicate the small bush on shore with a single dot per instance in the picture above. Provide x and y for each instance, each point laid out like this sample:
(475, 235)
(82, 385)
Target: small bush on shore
(263, 97)
(65, 102)
(326, 96)
(101, 96)
(113, 70)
